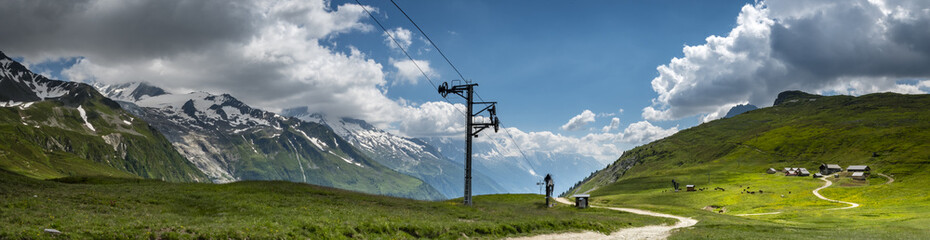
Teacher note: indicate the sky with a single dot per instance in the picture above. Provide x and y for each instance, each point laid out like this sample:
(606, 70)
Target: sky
(598, 76)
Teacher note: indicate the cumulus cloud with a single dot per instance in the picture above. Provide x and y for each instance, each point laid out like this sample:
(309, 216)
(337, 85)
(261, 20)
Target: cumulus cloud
(403, 37)
(409, 71)
(604, 147)
(433, 119)
(614, 124)
(850, 47)
(579, 121)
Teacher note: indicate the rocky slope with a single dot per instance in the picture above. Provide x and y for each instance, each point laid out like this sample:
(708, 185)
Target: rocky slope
(230, 141)
(410, 156)
(53, 129)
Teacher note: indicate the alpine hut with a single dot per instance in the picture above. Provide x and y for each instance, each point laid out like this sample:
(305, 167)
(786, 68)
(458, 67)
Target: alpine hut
(827, 169)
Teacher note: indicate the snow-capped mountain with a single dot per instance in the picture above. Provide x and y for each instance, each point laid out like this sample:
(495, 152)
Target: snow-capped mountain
(20, 85)
(406, 155)
(56, 129)
(230, 141)
(516, 175)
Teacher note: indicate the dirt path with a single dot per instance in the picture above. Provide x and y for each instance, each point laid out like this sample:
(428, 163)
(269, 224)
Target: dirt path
(890, 180)
(816, 193)
(647, 232)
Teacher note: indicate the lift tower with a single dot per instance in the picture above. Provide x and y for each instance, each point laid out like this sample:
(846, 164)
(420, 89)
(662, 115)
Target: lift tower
(471, 128)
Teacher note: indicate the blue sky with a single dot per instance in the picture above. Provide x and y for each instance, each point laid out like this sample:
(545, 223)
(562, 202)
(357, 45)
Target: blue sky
(547, 62)
(561, 71)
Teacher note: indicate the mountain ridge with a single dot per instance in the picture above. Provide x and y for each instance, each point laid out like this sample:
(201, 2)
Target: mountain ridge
(53, 128)
(410, 156)
(231, 141)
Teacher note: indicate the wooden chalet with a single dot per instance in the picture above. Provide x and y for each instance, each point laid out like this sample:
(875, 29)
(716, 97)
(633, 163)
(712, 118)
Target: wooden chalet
(827, 169)
(859, 175)
(858, 168)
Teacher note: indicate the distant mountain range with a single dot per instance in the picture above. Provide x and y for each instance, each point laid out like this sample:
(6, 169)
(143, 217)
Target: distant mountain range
(512, 171)
(410, 156)
(230, 141)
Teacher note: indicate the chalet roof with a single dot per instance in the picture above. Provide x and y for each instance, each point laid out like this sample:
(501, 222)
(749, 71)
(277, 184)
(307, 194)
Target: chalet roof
(857, 168)
(689, 186)
(833, 166)
(803, 169)
(581, 195)
(858, 174)
(818, 174)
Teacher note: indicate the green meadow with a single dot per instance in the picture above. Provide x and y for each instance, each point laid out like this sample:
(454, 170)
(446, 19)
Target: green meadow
(116, 208)
(888, 132)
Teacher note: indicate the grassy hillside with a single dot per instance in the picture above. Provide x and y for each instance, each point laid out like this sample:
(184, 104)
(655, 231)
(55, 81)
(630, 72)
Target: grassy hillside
(49, 139)
(112, 208)
(888, 132)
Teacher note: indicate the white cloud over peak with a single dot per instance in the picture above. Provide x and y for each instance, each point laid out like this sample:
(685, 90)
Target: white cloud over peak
(579, 121)
(849, 47)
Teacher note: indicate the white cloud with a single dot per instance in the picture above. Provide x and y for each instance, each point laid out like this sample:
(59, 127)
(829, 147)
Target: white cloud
(854, 47)
(610, 114)
(579, 121)
(614, 124)
(604, 147)
(432, 119)
(410, 71)
(403, 37)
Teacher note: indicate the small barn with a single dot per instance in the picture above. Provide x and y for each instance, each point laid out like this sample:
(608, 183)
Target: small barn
(859, 175)
(858, 168)
(581, 200)
(791, 173)
(818, 175)
(803, 173)
(827, 169)
(770, 171)
(690, 188)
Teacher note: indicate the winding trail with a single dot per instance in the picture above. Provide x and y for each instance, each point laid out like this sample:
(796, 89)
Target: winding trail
(646, 232)
(816, 193)
(890, 180)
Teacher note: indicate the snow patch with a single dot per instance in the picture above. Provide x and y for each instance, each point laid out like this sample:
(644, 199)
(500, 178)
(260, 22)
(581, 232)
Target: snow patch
(24, 106)
(319, 144)
(348, 160)
(11, 103)
(84, 116)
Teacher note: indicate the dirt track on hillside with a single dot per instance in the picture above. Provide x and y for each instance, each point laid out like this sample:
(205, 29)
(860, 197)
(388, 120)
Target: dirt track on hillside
(816, 193)
(646, 232)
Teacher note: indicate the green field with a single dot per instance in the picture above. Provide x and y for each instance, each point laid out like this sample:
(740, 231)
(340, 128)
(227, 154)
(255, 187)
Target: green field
(888, 132)
(114, 208)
